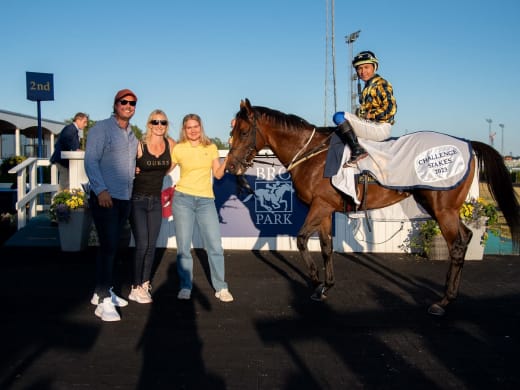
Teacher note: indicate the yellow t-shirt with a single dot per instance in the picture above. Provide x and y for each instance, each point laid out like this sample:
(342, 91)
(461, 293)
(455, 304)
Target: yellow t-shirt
(195, 163)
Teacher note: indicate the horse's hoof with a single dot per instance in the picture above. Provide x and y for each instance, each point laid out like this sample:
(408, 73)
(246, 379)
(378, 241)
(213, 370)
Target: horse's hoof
(318, 297)
(436, 310)
(319, 294)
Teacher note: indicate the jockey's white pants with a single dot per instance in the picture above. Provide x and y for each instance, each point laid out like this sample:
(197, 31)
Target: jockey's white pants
(363, 128)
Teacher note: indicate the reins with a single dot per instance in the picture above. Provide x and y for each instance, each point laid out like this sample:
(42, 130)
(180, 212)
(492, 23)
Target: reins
(311, 153)
(296, 160)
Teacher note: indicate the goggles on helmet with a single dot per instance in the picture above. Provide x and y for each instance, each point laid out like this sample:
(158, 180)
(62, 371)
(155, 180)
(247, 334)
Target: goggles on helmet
(365, 57)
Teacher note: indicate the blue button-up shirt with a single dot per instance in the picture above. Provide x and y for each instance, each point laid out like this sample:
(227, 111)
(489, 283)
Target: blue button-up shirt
(110, 158)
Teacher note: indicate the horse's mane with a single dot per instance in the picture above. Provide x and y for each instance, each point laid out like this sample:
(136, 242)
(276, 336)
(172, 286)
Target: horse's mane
(289, 121)
(279, 118)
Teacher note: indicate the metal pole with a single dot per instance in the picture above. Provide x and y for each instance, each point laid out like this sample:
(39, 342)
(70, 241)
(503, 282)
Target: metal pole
(40, 146)
(326, 98)
(40, 140)
(501, 125)
(333, 49)
(350, 39)
(352, 80)
(489, 135)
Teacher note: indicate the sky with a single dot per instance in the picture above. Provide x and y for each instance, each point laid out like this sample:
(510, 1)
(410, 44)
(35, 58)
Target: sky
(452, 63)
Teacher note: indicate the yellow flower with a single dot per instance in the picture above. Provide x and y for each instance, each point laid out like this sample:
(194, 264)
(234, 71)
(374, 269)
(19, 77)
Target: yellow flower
(65, 201)
(474, 209)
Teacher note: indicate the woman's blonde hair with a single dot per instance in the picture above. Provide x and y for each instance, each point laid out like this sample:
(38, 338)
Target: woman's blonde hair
(204, 139)
(148, 133)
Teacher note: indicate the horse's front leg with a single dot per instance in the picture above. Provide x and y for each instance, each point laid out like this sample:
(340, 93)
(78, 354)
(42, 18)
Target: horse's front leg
(457, 250)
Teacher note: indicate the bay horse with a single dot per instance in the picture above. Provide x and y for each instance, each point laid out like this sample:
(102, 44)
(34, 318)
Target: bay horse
(299, 148)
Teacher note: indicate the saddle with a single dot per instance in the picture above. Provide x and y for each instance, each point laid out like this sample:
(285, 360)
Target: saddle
(364, 179)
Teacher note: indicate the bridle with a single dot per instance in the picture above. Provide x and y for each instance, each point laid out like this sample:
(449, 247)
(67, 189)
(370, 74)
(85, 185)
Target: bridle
(252, 148)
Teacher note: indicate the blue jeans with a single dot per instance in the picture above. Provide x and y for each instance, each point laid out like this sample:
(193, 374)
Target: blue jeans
(188, 210)
(145, 219)
(109, 224)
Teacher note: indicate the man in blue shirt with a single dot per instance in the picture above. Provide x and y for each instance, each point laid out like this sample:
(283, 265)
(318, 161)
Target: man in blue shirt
(110, 166)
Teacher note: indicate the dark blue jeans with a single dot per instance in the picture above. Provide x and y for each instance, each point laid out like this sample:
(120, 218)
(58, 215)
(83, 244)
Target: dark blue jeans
(145, 219)
(109, 224)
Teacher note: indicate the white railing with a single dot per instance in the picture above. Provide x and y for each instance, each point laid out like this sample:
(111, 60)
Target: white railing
(27, 205)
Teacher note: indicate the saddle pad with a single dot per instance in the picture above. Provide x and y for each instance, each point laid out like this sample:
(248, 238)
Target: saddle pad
(425, 159)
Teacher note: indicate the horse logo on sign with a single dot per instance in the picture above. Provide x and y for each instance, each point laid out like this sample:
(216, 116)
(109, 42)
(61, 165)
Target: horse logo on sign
(273, 196)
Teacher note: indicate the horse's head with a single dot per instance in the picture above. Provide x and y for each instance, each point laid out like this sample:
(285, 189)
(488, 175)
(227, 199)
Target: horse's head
(246, 140)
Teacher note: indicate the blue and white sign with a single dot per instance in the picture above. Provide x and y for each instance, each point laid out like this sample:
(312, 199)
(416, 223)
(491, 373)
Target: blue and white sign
(274, 210)
(40, 86)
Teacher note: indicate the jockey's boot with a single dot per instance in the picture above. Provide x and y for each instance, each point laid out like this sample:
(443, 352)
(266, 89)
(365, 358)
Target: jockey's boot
(347, 136)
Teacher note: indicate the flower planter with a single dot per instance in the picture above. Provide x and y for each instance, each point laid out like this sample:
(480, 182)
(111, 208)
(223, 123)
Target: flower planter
(75, 232)
(476, 214)
(438, 249)
(475, 251)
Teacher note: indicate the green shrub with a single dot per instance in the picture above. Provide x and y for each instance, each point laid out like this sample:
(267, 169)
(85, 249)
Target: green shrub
(11, 162)
(7, 164)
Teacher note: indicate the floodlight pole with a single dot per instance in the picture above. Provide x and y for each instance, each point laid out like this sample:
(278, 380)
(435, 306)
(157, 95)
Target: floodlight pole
(350, 39)
(489, 121)
(501, 125)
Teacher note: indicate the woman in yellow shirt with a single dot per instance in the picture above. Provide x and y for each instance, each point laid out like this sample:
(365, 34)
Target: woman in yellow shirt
(194, 202)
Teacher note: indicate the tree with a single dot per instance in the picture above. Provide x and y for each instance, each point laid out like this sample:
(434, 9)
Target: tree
(220, 145)
(137, 131)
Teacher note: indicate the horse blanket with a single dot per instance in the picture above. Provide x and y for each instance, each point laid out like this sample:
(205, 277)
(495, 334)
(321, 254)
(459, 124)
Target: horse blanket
(426, 159)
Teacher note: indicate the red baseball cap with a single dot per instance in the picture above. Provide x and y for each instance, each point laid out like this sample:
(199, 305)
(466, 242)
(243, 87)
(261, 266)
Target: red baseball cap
(121, 94)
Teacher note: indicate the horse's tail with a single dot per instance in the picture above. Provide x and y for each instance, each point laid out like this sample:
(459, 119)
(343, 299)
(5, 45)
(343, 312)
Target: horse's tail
(494, 172)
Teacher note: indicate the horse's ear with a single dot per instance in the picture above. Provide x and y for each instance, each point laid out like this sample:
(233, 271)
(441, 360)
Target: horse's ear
(245, 103)
(247, 106)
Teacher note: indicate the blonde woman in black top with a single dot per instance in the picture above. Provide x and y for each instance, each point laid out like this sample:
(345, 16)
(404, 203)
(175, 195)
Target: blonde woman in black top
(152, 164)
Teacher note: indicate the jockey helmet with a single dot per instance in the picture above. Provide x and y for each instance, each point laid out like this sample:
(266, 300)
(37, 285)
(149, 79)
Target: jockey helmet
(365, 57)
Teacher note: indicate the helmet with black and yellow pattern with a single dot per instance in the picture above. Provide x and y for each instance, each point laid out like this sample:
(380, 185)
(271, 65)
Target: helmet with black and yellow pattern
(365, 57)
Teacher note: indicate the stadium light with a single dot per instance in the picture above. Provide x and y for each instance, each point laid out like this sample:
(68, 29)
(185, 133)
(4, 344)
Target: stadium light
(501, 125)
(350, 39)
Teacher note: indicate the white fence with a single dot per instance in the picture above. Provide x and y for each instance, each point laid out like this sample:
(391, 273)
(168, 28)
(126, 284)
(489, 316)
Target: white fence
(28, 192)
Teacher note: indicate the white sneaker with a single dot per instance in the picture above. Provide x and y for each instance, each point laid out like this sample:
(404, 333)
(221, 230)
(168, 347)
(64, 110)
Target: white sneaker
(116, 300)
(184, 293)
(107, 311)
(224, 295)
(140, 295)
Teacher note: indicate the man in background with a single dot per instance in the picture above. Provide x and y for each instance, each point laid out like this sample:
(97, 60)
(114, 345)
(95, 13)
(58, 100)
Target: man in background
(68, 140)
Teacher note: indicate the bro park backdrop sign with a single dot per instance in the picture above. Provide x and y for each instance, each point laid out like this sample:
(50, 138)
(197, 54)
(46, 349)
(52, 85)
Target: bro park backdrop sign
(273, 211)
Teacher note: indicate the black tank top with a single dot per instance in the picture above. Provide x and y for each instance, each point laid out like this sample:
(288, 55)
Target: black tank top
(149, 180)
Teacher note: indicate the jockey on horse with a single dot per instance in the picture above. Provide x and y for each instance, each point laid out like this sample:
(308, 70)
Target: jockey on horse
(374, 117)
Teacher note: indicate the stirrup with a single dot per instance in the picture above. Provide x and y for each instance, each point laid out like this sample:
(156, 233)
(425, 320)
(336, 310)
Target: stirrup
(352, 162)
